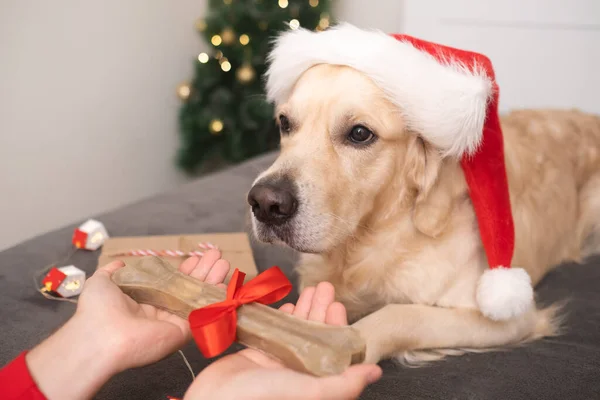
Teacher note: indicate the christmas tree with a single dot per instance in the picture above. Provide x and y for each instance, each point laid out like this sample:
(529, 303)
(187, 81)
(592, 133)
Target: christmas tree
(225, 116)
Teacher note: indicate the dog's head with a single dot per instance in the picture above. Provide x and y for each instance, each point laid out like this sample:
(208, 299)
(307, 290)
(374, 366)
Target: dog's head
(349, 147)
(345, 151)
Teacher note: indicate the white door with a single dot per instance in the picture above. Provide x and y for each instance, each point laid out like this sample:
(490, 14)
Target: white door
(546, 53)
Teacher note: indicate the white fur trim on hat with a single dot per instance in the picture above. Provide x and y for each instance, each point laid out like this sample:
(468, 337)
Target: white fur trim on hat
(504, 293)
(445, 102)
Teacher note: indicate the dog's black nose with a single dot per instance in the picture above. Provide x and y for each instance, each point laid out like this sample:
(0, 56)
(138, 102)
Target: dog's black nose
(273, 202)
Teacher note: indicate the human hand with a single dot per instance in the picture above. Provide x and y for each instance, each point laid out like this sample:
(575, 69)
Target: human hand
(110, 332)
(250, 374)
(140, 333)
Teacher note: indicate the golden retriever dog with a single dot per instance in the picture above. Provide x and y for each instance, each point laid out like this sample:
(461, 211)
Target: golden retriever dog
(376, 210)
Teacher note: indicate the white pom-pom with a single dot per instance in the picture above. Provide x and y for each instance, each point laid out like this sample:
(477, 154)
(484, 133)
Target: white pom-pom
(504, 293)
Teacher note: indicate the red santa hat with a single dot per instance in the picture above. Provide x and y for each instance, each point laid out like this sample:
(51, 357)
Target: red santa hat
(450, 97)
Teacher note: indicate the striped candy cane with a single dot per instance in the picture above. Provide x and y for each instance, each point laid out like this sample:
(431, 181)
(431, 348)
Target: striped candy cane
(168, 253)
(207, 245)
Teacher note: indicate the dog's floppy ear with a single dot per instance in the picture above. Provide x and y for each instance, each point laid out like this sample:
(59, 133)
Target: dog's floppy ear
(433, 197)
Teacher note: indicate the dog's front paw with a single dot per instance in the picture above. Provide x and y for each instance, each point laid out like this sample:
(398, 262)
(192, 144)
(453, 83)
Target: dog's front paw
(373, 345)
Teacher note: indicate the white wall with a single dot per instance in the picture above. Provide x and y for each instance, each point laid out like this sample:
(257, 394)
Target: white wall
(386, 15)
(88, 109)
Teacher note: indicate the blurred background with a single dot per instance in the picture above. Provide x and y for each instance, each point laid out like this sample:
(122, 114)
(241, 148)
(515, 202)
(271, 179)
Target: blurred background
(104, 103)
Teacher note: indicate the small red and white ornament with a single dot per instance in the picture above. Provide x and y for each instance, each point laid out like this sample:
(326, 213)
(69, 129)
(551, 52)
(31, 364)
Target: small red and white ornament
(90, 235)
(64, 281)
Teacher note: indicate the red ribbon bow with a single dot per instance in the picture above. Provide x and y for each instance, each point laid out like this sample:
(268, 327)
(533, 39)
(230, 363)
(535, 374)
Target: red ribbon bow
(214, 326)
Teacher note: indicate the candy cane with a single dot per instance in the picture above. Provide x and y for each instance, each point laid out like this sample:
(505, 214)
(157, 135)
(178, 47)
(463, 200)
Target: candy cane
(207, 245)
(169, 253)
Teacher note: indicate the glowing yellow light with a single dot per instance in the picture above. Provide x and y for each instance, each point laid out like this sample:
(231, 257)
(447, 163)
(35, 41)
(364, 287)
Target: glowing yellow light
(201, 25)
(313, 3)
(324, 21)
(294, 24)
(216, 40)
(184, 91)
(228, 36)
(203, 58)
(283, 3)
(216, 125)
(225, 66)
(245, 73)
(219, 55)
(244, 39)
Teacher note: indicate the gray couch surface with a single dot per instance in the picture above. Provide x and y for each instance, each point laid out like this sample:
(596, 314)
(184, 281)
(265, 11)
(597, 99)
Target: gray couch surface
(566, 367)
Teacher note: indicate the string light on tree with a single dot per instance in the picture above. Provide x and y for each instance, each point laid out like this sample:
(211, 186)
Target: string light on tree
(227, 2)
(203, 58)
(216, 40)
(200, 25)
(283, 3)
(245, 73)
(228, 36)
(225, 64)
(313, 3)
(183, 91)
(244, 39)
(216, 126)
(219, 55)
(294, 24)
(323, 22)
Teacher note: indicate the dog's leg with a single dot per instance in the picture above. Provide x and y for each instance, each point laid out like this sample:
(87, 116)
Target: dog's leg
(397, 328)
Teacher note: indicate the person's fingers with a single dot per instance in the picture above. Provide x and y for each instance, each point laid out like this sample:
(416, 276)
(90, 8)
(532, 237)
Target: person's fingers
(110, 268)
(304, 302)
(189, 265)
(218, 272)
(287, 308)
(206, 263)
(351, 383)
(221, 285)
(322, 299)
(336, 314)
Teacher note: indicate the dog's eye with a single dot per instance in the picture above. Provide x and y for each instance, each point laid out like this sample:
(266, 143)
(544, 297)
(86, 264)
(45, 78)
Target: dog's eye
(360, 135)
(284, 124)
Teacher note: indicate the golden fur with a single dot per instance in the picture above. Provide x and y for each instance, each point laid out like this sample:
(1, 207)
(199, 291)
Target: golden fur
(391, 226)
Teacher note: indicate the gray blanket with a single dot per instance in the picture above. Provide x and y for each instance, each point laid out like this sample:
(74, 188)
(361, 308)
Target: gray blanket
(567, 367)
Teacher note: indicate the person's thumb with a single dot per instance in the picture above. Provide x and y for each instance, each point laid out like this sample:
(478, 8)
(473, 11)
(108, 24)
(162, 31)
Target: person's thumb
(110, 268)
(351, 383)
(103, 275)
